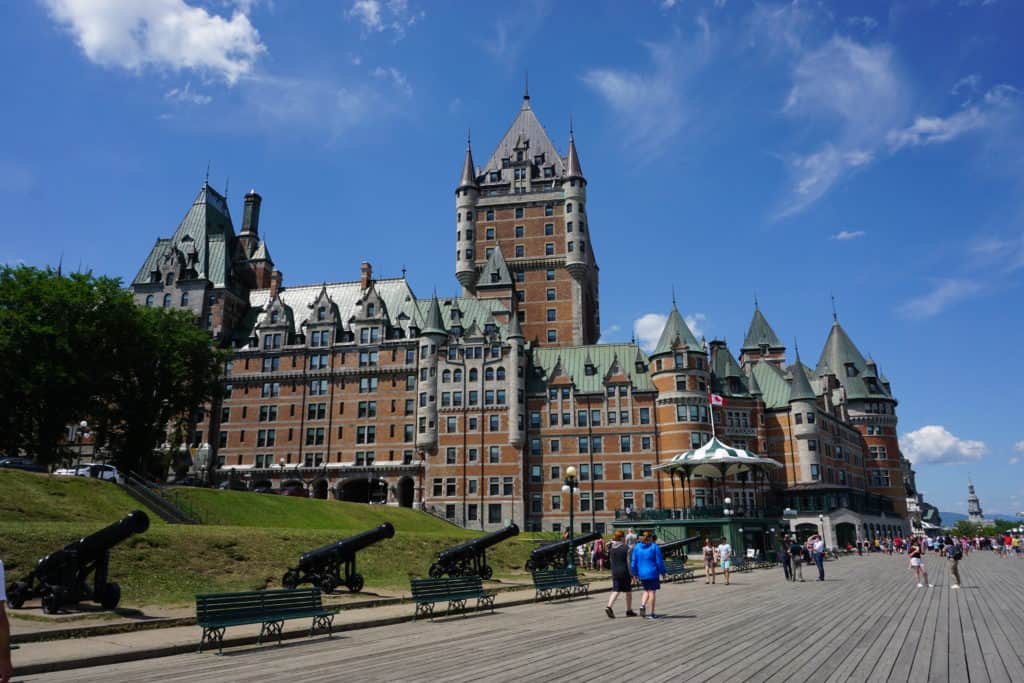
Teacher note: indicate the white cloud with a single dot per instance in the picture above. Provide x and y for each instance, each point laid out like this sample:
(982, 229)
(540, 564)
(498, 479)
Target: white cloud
(844, 235)
(854, 90)
(696, 323)
(934, 444)
(927, 130)
(378, 16)
(161, 33)
(1019, 446)
(513, 31)
(651, 105)
(865, 24)
(968, 84)
(669, 4)
(187, 95)
(1014, 460)
(647, 330)
(944, 294)
(396, 77)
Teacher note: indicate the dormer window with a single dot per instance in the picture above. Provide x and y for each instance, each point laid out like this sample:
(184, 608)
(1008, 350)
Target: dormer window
(519, 156)
(589, 369)
(851, 370)
(321, 313)
(273, 317)
(549, 171)
(506, 162)
(538, 159)
(370, 309)
(495, 177)
(169, 279)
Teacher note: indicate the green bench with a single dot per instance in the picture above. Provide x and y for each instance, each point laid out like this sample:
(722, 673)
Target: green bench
(675, 570)
(562, 582)
(216, 611)
(456, 591)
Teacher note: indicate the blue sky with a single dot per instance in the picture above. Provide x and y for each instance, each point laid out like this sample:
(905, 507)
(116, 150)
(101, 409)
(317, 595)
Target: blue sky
(870, 151)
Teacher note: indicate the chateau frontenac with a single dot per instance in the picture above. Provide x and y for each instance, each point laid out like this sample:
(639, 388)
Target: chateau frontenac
(472, 407)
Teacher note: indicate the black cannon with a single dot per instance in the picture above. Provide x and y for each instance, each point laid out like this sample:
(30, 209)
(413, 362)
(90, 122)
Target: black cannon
(322, 567)
(677, 548)
(469, 558)
(61, 577)
(554, 554)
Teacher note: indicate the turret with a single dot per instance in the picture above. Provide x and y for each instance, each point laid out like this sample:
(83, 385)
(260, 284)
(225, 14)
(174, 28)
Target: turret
(467, 194)
(516, 383)
(249, 235)
(574, 196)
(803, 402)
(432, 337)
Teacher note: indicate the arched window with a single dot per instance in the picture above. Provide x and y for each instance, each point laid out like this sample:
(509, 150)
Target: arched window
(501, 373)
(321, 313)
(167, 300)
(473, 375)
(184, 299)
(489, 374)
(149, 300)
(458, 375)
(446, 376)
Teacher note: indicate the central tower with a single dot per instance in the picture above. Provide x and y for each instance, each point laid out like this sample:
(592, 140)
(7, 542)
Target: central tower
(522, 234)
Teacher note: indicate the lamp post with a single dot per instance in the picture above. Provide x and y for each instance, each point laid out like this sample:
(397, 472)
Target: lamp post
(81, 433)
(728, 512)
(569, 485)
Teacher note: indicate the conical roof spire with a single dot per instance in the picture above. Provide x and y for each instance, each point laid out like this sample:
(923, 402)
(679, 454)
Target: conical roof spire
(760, 332)
(800, 387)
(515, 330)
(573, 169)
(435, 324)
(675, 328)
(468, 169)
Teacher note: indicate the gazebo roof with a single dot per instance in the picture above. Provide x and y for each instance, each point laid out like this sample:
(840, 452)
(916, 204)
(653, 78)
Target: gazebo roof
(718, 459)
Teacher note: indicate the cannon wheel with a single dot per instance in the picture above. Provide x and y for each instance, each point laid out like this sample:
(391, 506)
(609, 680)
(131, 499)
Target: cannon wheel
(328, 584)
(531, 565)
(436, 572)
(486, 572)
(355, 584)
(52, 602)
(109, 595)
(17, 594)
(290, 580)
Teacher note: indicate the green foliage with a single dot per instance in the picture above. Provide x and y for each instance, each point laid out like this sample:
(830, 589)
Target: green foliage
(988, 528)
(77, 347)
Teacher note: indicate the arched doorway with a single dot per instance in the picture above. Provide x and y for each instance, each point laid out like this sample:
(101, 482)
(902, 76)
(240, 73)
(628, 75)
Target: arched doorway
(406, 492)
(805, 531)
(293, 484)
(320, 489)
(846, 534)
(354, 491)
(262, 484)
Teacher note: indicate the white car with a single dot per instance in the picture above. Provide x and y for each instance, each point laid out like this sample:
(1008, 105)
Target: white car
(94, 470)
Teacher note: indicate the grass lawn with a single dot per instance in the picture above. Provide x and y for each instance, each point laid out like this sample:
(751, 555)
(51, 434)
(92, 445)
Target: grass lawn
(258, 538)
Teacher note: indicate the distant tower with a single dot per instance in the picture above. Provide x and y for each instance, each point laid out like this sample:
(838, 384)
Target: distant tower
(973, 505)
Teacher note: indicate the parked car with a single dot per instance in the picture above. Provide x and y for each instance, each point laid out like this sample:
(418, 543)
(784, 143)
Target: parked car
(233, 485)
(94, 470)
(265, 489)
(295, 491)
(26, 464)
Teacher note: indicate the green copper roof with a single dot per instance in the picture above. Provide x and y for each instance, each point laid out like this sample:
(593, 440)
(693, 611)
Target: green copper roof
(755, 388)
(800, 385)
(434, 324)
(773, 384)
(471, 310)
(839, 355)
(495, 272)
(573, 360)
(760, 332)
(675, 329)
(727, 378)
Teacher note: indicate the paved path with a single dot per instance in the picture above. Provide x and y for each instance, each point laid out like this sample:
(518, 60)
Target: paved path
(867, 622)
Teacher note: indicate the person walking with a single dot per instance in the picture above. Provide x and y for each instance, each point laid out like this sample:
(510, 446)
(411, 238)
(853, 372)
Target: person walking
(917, 564)
(709, 561)
(647, 564)
(598, 558)
(787, 563)
(796, 554)
(724, 552)
(5, 631)
(954, 554)
(630, 538)
(818, 553)
(622, 582)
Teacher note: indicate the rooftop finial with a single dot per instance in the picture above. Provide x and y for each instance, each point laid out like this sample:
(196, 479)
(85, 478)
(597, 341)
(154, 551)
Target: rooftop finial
(755, 301)
(796, 347)
(526, 86)
(469, 137)
(835, 316)
(403, 270)
(206, 179)
(673, 296)
(571, 131)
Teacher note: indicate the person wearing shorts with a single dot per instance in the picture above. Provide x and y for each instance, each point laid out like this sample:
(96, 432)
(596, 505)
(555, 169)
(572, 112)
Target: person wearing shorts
(622, 581)
(917, 564)
(647, 564)
(709, 561)
(724, 552)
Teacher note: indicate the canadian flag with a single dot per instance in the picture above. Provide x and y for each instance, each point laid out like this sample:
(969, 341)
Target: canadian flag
(716, 400)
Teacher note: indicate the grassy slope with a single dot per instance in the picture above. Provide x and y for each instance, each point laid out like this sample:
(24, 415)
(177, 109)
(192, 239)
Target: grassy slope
(169, 564)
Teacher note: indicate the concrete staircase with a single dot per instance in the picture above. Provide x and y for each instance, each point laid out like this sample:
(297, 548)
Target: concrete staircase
(153, 497)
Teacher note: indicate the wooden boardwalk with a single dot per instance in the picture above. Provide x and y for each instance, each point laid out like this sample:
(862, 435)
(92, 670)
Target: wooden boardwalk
(867, 622)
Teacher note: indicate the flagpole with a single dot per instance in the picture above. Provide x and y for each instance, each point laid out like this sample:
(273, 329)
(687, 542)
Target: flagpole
(711, 410)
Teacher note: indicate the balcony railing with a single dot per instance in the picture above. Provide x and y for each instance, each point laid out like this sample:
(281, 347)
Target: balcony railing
(714, 512)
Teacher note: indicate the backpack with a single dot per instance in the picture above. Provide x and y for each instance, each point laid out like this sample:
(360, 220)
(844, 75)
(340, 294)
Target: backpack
(958, 554)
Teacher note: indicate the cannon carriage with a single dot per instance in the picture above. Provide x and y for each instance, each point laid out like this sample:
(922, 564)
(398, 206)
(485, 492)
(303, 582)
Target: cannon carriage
(62, 577)
(470, 558)
(323, 567)
(552, 555)
(677, 549)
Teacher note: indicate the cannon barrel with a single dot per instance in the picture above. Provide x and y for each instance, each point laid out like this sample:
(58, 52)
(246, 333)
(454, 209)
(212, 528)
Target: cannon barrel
(90, 548)
(561, 547)
(346, 547)
(675, 546)
(476, 545)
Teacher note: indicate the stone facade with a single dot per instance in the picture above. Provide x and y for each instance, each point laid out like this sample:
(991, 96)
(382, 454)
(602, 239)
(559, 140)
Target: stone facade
(472, 407)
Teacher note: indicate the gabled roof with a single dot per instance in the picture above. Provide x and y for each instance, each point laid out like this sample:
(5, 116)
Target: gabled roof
(526, 128)
(675, 329)
(760, 332)
(773, 384)
(572, 360)
(840, 353)
(495, 272)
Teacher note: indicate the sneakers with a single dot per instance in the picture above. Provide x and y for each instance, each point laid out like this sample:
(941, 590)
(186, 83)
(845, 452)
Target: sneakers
(610, 612)
(931, 585)
(630, 613)
(652, 616)
(920, 585)
(643, 611)
(954, 586)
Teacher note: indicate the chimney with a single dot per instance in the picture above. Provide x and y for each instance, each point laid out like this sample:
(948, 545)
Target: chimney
(365, 274)
(251, 212)
(275, 284)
